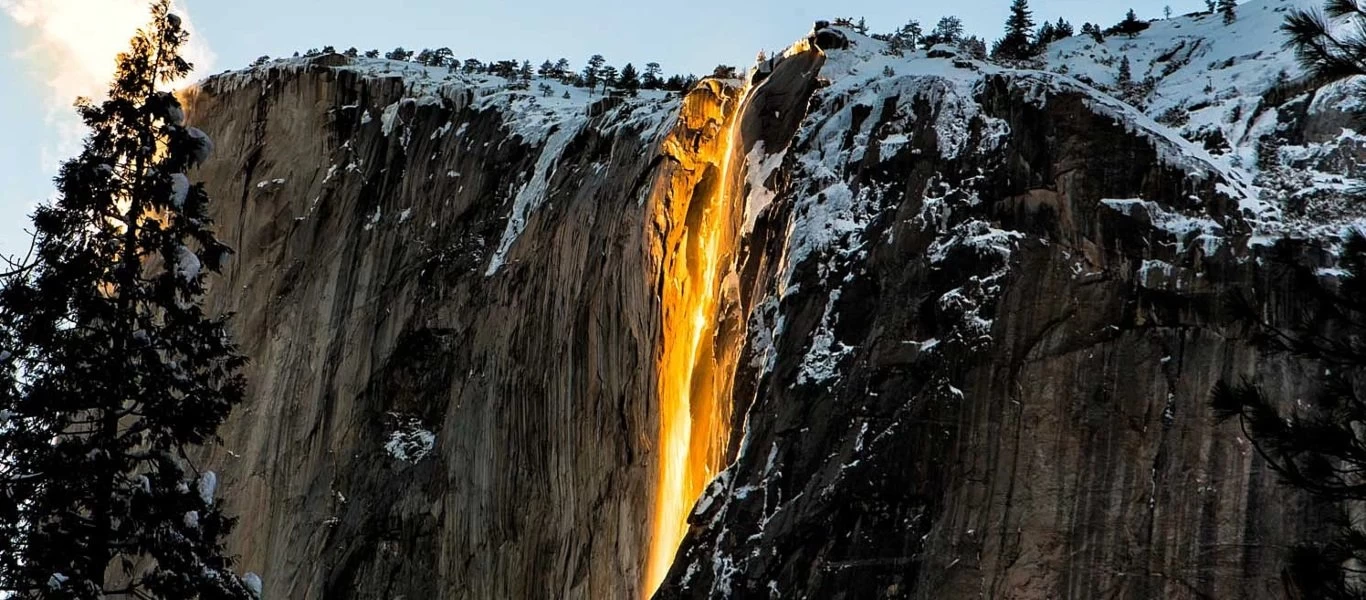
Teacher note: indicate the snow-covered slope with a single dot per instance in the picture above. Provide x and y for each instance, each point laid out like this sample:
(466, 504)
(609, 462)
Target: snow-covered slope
(1238, 91)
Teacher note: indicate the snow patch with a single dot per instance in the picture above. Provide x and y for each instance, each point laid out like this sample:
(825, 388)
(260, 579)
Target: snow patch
(410, 442)
(533, 193)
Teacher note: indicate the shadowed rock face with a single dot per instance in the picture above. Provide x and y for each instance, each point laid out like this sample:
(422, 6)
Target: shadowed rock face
(969, 362)
(1063, 450)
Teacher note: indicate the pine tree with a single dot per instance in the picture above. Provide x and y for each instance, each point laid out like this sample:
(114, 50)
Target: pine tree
(1318, 446)
(111, 373)
(1131, 25)
(1209, 6)
(547, 69)
(399, 53)
(442, 57)
(609, 77)
(525, 74)
(1228, 8)
(630, 79)
(651, 80)
(1064, 29)
(1016, 44)
(949, 30)
(562, 69)
(905, 38)
(1093, 31)
(1046, 35)
(975, 47)
(1326, 51)
(1126, 75)
(592, 71)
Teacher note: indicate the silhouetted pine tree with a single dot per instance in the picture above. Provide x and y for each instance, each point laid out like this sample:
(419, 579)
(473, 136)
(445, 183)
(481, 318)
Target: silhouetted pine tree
(110, 372)
(630, 79)
(609, 75)
(1318, 446)
(652, 78)
(592, 71)
(1131, 25)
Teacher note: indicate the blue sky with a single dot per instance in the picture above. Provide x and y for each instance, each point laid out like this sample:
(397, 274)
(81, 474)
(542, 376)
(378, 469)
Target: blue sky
(691, 36)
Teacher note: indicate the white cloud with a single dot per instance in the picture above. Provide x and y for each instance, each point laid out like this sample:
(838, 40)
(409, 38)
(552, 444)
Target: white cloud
(71, 46)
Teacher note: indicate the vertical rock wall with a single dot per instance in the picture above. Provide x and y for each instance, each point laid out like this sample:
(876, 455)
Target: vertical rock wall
(361, 297)
(974, 315)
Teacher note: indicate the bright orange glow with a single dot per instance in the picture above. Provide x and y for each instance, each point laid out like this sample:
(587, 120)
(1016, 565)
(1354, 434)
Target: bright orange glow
(694, 417)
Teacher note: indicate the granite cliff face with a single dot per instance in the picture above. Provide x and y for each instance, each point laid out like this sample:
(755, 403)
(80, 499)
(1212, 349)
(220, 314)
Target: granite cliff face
(963, 322)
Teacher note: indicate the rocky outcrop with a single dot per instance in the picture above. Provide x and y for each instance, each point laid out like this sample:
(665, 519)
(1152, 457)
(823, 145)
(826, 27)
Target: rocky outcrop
(967, 328)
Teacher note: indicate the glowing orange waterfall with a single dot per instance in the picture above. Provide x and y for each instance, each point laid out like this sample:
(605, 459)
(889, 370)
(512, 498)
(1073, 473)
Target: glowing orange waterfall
(694, 417)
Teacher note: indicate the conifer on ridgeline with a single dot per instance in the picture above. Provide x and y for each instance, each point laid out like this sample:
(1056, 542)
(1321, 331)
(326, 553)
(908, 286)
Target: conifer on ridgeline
(1016, 45)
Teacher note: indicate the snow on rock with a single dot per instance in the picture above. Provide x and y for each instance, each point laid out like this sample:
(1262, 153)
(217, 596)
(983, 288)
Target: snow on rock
(822, 360)
(532, 194)
(547, 122)
(374, 219)
(1189, 231)
(761, 166)
(410, 442)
